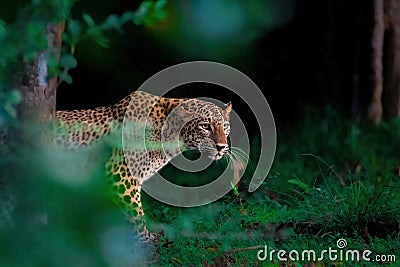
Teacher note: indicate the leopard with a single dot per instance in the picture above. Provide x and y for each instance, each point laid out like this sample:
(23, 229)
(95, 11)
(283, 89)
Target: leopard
(191, 123)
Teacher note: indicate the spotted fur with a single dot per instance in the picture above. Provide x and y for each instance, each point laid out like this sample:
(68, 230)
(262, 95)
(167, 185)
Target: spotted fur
(195, 123)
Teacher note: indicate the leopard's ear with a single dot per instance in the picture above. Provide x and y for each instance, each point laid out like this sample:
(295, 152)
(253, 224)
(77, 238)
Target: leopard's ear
(227, 109)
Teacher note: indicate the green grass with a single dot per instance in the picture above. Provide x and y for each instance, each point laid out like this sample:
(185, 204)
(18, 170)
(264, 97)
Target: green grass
(312, 197)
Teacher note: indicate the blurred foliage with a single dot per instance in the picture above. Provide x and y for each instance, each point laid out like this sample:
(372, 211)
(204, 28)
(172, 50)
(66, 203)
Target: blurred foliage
(20, 42)
(24, 38)
(219, 30)
(55, 207)
(149, 12)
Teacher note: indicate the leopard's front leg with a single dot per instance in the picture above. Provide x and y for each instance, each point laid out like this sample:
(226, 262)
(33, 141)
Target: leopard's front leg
(135, 215)
(127, 188)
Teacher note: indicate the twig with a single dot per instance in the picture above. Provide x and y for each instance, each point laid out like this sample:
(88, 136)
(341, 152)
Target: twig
(243, 249)
(64, 72)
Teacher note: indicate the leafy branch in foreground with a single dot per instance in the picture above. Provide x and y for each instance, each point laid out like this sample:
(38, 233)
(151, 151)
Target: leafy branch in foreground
(25, 39)
(148, 13)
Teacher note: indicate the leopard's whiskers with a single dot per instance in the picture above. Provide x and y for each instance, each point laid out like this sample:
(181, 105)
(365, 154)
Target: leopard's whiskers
(239, 162)
(238, 155)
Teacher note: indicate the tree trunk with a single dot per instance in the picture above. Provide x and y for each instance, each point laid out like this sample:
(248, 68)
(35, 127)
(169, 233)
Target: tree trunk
(391, 91)
(375, 106)
(37, 89)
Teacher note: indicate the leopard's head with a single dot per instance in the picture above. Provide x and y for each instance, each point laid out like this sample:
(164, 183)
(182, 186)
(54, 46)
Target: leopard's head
(206, 127)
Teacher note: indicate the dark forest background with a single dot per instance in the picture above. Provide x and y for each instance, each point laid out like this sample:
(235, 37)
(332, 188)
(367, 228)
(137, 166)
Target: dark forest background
(299, 53)
(329, 69)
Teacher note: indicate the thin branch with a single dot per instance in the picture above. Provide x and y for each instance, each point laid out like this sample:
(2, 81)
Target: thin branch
(244, 249)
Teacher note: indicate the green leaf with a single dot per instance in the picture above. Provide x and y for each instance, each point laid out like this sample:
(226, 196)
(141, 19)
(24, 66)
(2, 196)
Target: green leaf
(98, 37)
(235, 191)
(159, 15)
(149, 12)
(88, 19)
(29, 56)
(159, 9)
(142, 12)
(103, 42)
(13, 97)
(127, 16)
(68, 61)
(74, 28)
(64, 76)
(160, 4)
(10, 109)
(299, 183)
(52, 62)
(35, 33)
(112, 22)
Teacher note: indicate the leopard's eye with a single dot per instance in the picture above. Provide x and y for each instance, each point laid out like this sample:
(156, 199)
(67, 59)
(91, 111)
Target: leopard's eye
(205, 126)
(226, 126)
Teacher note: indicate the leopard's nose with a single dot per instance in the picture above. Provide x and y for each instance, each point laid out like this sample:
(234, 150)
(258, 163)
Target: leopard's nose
(221, 147)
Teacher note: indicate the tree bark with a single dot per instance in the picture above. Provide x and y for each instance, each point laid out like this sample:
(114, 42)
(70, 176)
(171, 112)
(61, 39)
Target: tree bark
(391, 90)
(36, 87)
(375, 109)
